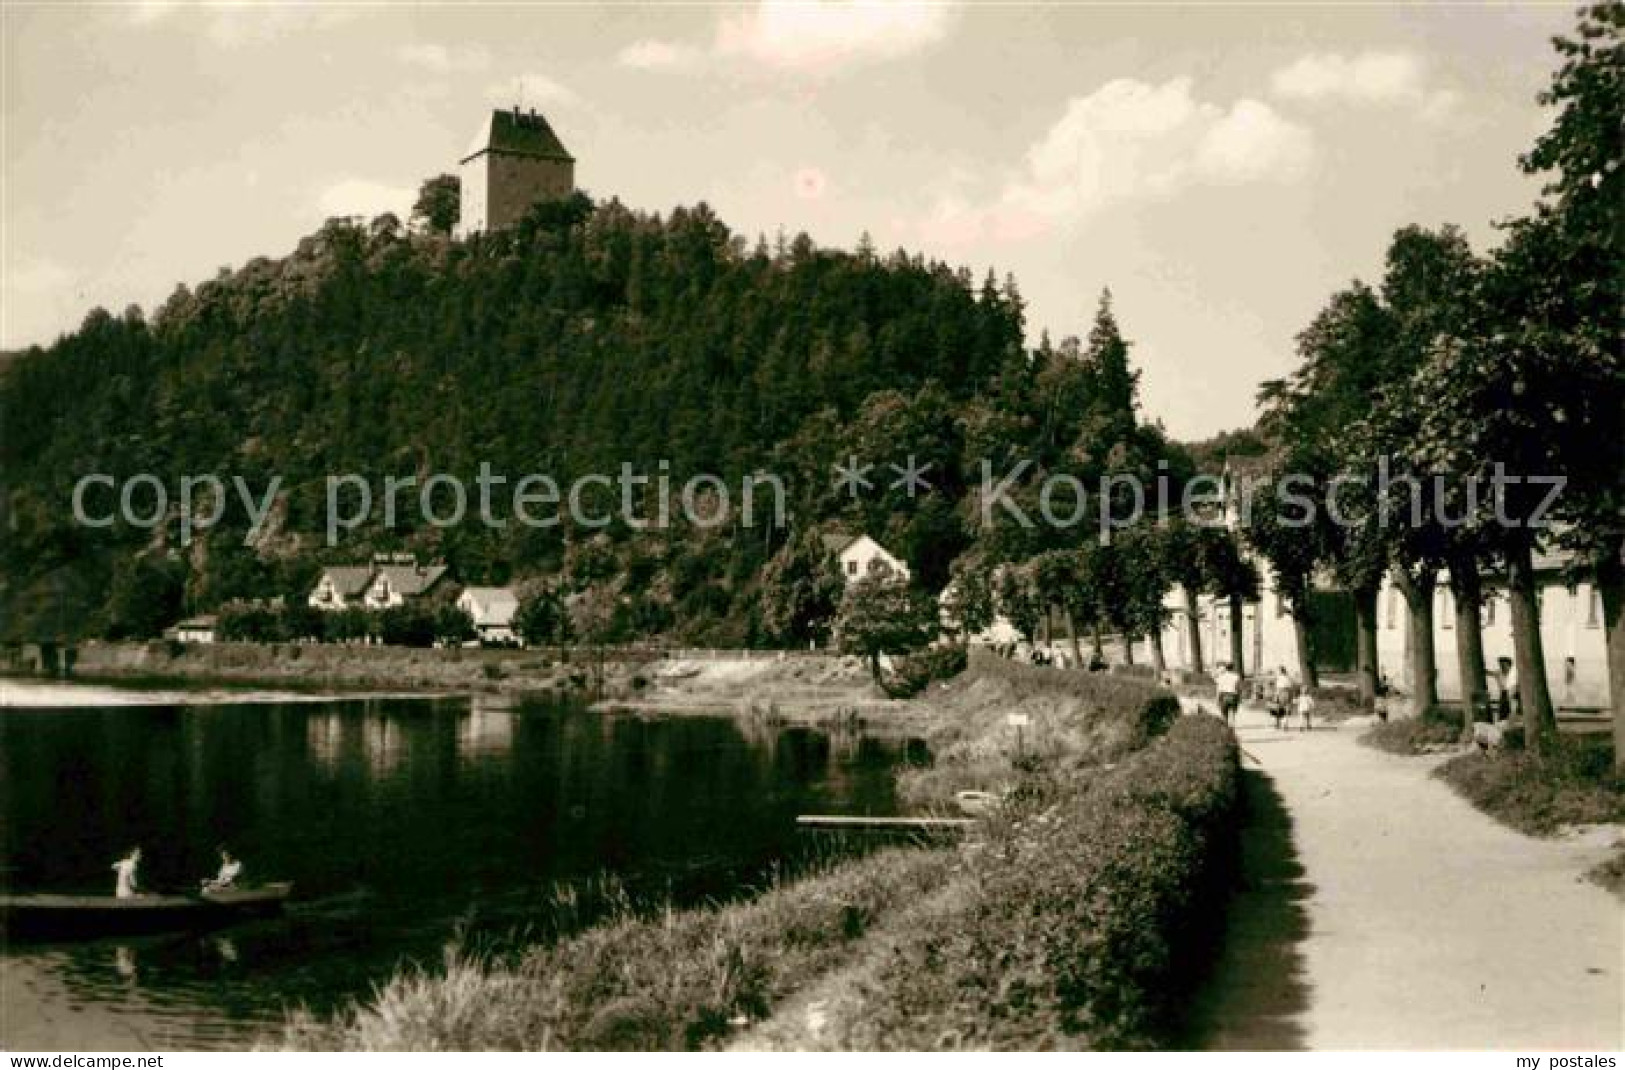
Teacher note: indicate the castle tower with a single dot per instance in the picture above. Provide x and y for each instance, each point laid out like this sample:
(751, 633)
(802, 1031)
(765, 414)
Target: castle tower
(516, 161)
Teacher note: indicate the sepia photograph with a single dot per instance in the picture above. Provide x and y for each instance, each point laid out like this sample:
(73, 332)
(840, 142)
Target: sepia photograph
(812, 526)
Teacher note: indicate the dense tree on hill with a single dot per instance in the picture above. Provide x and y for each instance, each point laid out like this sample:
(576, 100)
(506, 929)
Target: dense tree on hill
(588, 336)
(439, 204)
(801, 591)
(883, 616)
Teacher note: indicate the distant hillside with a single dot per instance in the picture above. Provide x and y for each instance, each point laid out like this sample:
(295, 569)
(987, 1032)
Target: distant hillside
(586, 337)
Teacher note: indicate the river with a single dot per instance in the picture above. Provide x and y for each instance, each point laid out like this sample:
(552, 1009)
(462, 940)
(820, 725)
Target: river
(404, 822)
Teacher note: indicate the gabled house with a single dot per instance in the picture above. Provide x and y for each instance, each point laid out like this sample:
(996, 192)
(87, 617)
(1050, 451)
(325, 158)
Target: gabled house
(493, 610)
(340, 587)
(393, 585)
(862, 558)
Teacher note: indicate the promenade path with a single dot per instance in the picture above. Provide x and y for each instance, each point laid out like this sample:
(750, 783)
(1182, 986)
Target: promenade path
(1380, 910)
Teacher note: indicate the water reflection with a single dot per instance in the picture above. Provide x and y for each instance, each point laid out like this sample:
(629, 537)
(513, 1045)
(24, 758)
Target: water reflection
(401, 822)
(486, 730)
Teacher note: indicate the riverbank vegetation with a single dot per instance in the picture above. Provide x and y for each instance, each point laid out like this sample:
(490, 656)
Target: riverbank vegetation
(1067, 920)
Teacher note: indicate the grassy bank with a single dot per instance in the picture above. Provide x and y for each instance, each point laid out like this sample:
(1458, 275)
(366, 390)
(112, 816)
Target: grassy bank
(678, 980)
(1575, 785)
(1537, 795)
(1077, 901)
(1433, 732)
(1075, 925)
(718, 683)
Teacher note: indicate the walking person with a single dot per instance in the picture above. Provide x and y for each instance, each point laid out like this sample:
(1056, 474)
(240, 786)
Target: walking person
(1228, 686)
(1506, 681)
(1306, 707)
(1281, 697)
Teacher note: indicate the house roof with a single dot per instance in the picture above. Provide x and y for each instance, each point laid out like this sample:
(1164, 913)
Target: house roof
(518, 133)
(348, 580)
(207, 620)
(410, 580)
(835, 544)
(491, 606)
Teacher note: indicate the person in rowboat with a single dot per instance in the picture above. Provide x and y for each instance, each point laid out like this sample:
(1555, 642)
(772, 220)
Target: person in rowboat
(230, 870)
(125, 868)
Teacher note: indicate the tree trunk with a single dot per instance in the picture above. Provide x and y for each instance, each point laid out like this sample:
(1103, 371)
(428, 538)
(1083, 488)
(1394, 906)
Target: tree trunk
(1237, 662)
(1467, 592)
(1306, 648)
(874, 665)
(1128, 648)
(1072, 637)
(1193, 630)
(1094, 639)
(1365, 643)
(1424, 668)
(1539, 722)
(1610, 579)
(1159, 660)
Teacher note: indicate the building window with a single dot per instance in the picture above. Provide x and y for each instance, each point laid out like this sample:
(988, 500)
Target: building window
(851, 568)
(1594, 609)
(1488, 615)
(1447, 609)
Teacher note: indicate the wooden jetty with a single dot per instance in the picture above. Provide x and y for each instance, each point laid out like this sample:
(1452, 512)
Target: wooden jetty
(864, 823)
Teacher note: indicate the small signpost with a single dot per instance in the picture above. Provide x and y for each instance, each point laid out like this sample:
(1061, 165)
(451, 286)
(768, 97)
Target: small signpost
(1018, 721)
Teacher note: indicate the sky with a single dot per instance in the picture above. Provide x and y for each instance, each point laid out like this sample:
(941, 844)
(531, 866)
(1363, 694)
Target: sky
(1223, 169)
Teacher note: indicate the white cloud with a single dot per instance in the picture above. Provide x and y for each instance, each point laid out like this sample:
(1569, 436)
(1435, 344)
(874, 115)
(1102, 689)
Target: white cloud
(531, 90)
(651, 55)
(1253, 143)
(443, 60)
(364, 197)
(1128, 141)
(806, 36)
(233, 23)
(1369, 78)
(822, 34)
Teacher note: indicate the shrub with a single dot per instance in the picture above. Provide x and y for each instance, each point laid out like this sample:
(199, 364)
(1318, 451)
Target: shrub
(1075, 719)
(671, 981)
(1576, 785)
(411, 624)
(249, 622)
(1334, 704)
(1079, 923)
(915, 672)
(1430, 733)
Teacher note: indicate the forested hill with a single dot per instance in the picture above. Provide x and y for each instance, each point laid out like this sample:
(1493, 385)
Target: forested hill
(589, 336)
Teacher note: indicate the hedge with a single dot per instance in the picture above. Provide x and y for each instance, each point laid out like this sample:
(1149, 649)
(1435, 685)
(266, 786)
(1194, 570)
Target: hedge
(1082, 922)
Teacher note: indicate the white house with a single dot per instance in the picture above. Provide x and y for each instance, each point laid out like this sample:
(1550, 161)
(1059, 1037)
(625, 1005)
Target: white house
(1571, 628)
(197, 629)
(861, 557)
(340, 587)
(493, 610)
(1571, 632)
(393, 585)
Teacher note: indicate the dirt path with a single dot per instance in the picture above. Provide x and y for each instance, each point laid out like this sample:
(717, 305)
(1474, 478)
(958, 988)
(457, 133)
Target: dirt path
(1382, 911)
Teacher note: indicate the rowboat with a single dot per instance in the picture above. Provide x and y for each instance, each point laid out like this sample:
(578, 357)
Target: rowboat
(83, 916)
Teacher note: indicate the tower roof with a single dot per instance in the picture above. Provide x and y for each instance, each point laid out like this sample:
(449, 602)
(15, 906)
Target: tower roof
(519, 133)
